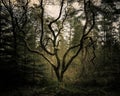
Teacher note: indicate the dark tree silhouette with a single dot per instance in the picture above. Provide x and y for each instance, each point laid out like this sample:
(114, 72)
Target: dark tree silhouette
(61, 64)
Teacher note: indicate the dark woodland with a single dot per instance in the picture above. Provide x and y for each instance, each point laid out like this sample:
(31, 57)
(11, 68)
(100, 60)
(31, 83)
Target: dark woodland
(76, 53)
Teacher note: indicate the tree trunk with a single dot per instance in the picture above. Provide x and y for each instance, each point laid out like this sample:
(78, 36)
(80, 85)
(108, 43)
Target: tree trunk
(59, 75)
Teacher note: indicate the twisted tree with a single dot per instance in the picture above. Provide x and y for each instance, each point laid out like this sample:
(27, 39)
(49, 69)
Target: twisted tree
(50, 39)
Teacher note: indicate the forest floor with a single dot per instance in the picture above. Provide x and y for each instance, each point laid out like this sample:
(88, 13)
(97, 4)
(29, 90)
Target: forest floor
(55, 91)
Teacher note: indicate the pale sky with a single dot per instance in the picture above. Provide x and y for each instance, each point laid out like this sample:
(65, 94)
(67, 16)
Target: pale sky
(53, 10)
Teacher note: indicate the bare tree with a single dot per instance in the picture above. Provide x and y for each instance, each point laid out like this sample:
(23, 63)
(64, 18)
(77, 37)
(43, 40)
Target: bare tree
(62, 64)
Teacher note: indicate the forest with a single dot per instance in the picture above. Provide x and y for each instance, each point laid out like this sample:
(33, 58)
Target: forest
(59, 47)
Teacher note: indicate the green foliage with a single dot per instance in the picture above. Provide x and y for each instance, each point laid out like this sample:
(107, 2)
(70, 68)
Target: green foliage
(18, 65)
(77, 31)
(8, 66)
(110, 61)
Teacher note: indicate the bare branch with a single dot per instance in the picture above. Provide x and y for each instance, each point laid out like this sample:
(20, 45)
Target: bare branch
(66, 14)
(42, 29)
(50, 24)
(39, 53)
(65, 66)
